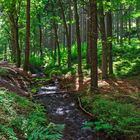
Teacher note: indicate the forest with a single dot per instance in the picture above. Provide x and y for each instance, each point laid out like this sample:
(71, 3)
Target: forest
(69, 69)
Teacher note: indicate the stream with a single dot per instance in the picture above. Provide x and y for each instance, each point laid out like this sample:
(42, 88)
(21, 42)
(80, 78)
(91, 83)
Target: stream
(62, 108)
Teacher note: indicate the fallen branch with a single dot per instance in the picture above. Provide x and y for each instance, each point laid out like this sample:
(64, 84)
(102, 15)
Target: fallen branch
(85, 111)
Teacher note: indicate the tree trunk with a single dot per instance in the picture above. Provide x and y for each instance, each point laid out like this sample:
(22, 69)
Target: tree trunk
(117, 24)
(121, 26)
(57, 42)
(88, 39)
(104, 41)
(27, 49)
(129, 27)
(70, 23)
(15, 38)
(18, 63)
(40, 36)
(78, 36)
(93, 44)
(109, 40)
(67, 33)
(12, 45)
(138, 19)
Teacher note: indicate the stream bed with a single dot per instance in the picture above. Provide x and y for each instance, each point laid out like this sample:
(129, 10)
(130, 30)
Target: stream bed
(64, 109)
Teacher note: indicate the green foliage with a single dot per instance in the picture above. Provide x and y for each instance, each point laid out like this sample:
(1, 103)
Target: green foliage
(3, 72)
(126, 59)
(98, 126)
(49, 133)
(9, 132)
(36, 61)
(27, 117)
(113, 117)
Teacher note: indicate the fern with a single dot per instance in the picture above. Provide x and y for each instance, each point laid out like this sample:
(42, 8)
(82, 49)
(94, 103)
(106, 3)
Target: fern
(8, 132)
(52, 132)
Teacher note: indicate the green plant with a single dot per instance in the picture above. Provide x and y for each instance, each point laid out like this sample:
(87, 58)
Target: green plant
(3, 72)
(51, 132)
(18, 113)
(113, 117)
(9, 132)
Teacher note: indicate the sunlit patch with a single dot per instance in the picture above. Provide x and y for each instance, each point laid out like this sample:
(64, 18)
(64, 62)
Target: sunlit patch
(102, 83)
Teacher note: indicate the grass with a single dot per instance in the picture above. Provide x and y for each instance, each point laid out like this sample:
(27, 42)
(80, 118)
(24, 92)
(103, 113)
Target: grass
(23, 119)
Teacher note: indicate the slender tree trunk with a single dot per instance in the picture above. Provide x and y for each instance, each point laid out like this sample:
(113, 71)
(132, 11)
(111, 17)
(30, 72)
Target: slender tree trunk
(88, 39)
(117, 24)
(15, 38)
(55, 53)
(57, 42)
(121, 26)
(70, 23)
(104, 41)
(27, 49)
(67, 33)
(18, 63)
(93, 44)
(138, 19)
(109, 40)
(129, 27)
(78, 36)
(12, 45)
(40, 36)
(5, 52)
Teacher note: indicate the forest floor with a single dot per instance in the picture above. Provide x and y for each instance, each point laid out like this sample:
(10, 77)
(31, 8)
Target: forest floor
(63, 108)
(111, 85)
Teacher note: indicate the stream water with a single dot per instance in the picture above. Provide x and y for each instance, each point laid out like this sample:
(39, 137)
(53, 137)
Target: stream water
(63, 109)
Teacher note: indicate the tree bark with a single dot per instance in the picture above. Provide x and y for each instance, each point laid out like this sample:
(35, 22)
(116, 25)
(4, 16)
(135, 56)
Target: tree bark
(93, 44)
(109, 40)
(15, 38)
(104, 40)
(57, 42)
(40, 36)
(88, 39)
(27, 49)
(121, 26)
(67, 33)
(138, 20)
(78, 36)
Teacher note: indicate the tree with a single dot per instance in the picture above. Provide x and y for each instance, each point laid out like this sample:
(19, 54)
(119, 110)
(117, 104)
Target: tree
(109, 39)
(66, 31)
(11, 9)
(104, 40)
(78, 36)
(27, 49)
(93, 44)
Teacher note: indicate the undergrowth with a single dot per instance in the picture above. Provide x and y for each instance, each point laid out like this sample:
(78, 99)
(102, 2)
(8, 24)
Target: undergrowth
(112, 117)
(22, 119)
(3, 71)
(126, 59)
